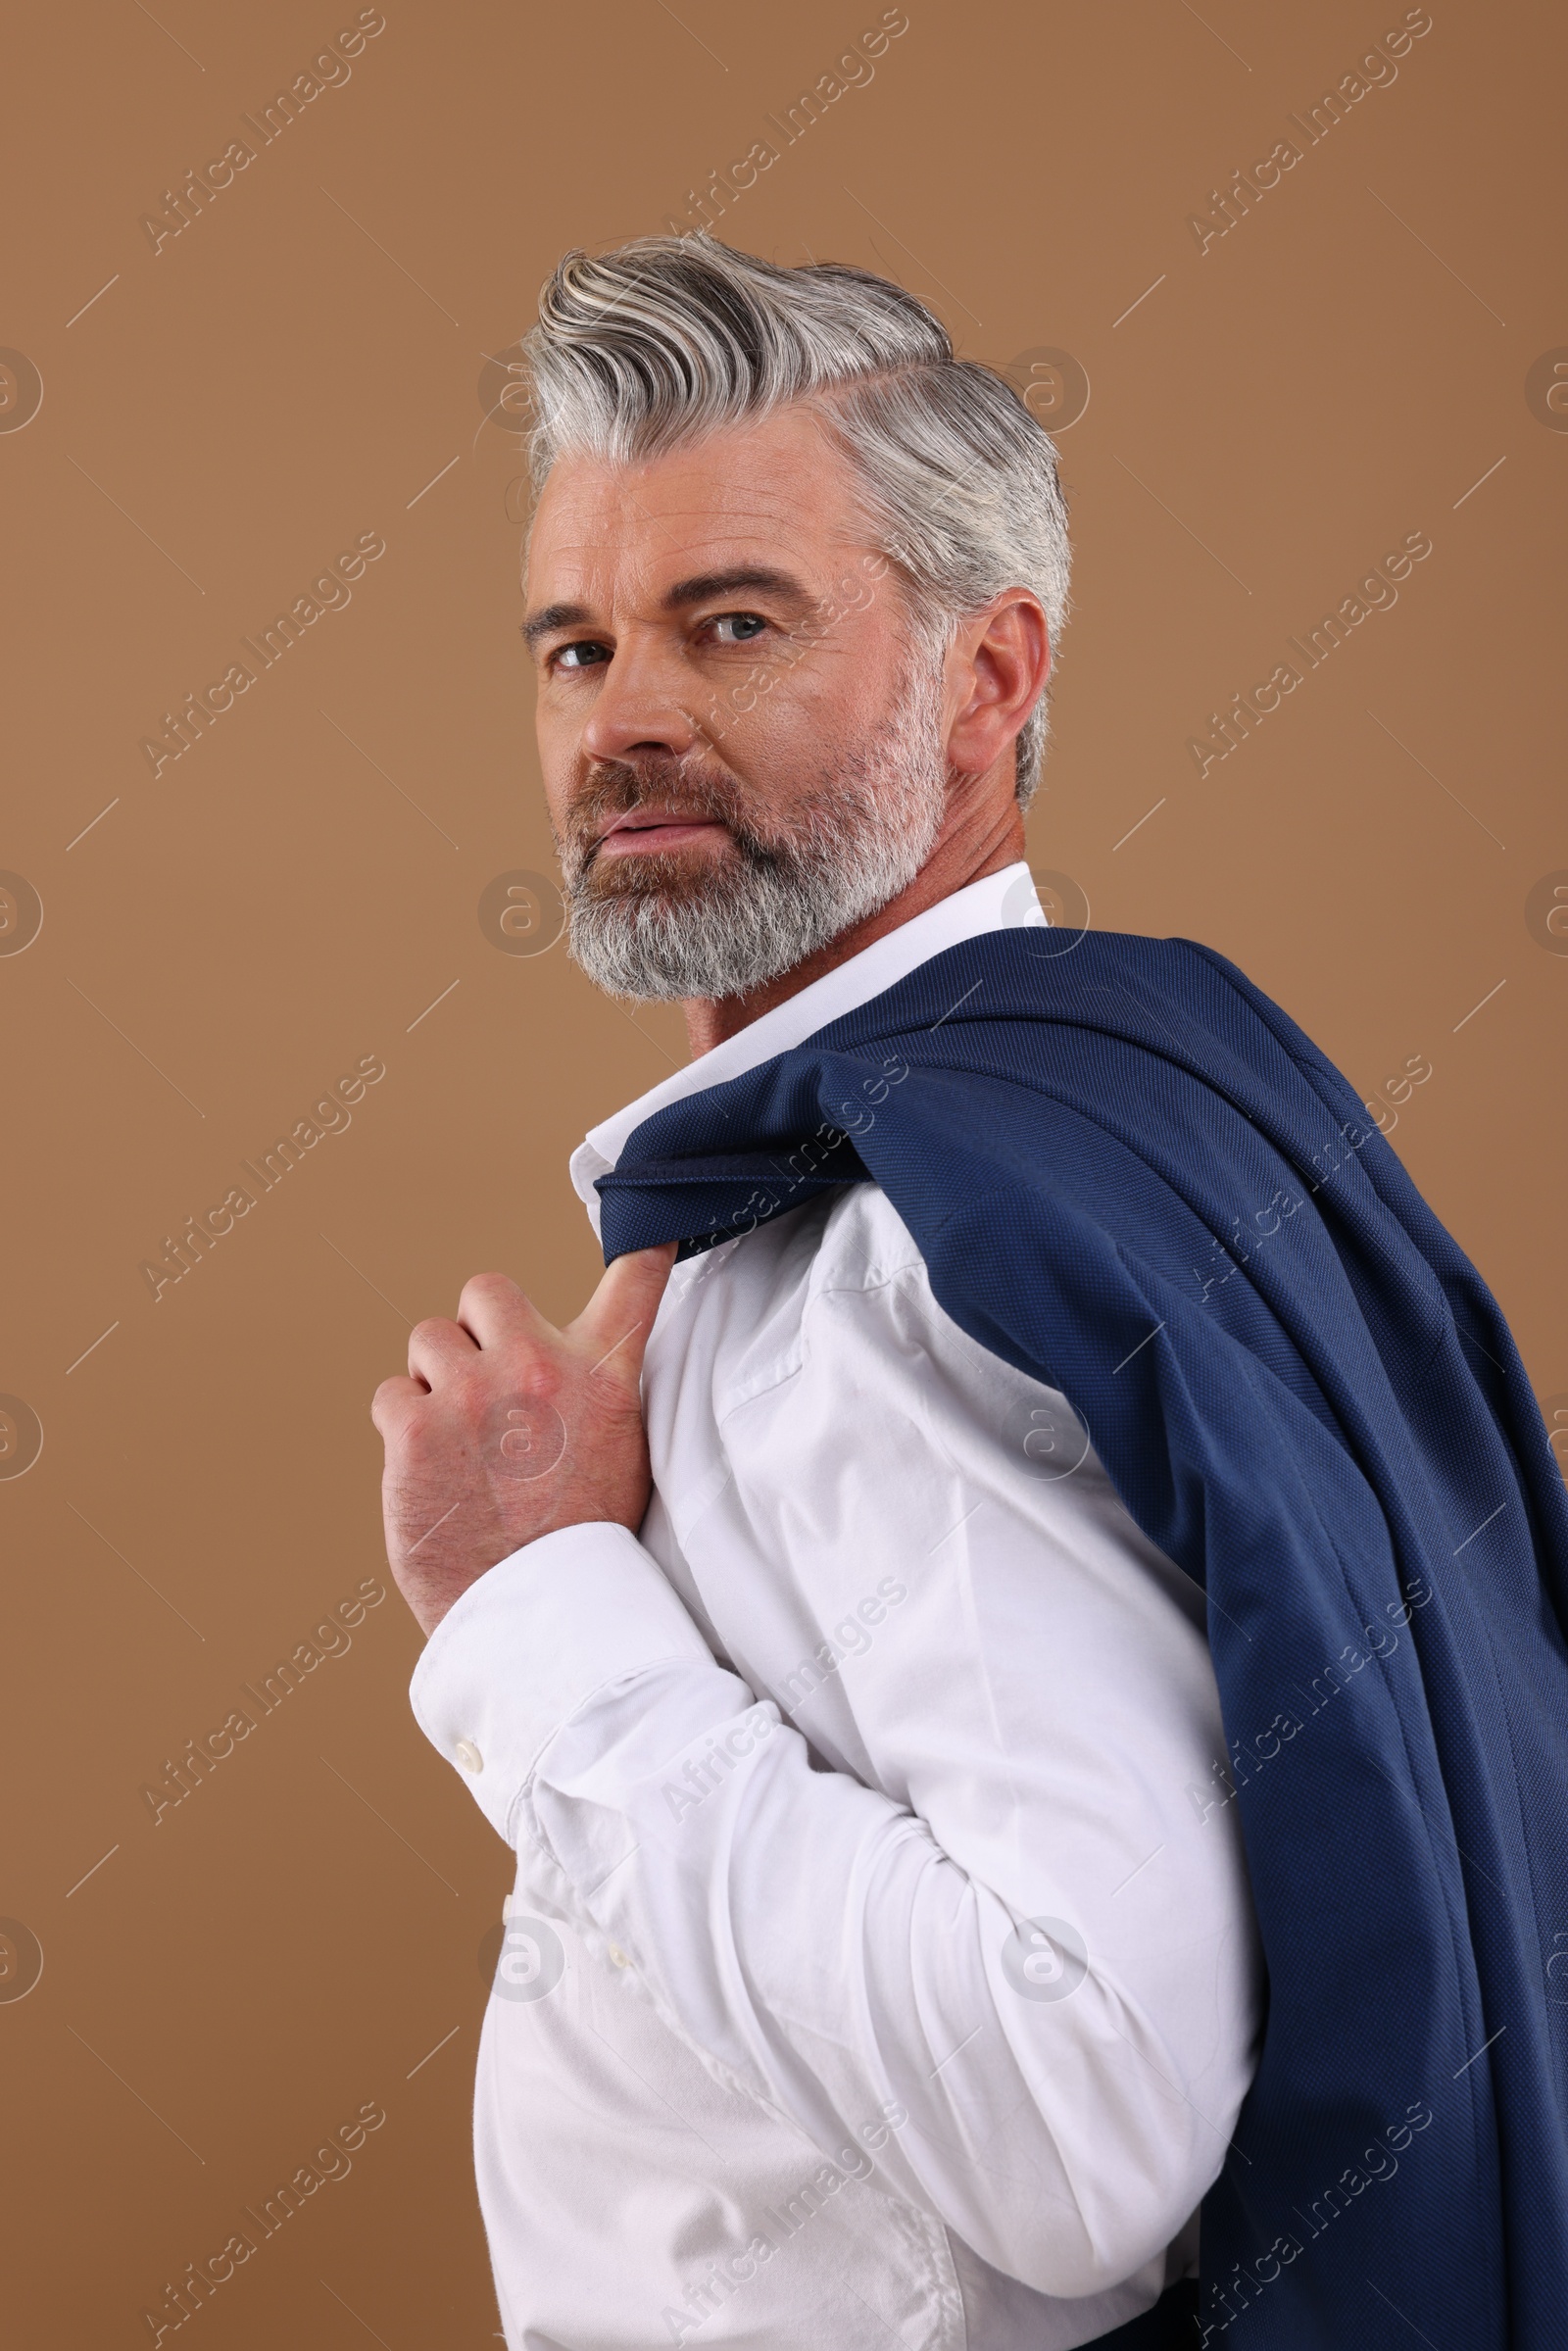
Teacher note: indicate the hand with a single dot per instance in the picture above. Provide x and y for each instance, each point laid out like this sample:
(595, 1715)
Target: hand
(507, 1427)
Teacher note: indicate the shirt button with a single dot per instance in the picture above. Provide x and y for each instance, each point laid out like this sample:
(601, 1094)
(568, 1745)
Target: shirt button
(618, 1955)
(469, 1756)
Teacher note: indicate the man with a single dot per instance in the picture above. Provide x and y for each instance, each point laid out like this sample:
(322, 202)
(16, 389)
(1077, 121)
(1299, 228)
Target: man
(884, 1961)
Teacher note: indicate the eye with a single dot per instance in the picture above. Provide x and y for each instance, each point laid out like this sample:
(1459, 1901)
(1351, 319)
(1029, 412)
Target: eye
(586, 654)
(736, 628)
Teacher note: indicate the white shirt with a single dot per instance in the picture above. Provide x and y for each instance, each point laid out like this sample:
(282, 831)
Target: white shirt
(776, 2056)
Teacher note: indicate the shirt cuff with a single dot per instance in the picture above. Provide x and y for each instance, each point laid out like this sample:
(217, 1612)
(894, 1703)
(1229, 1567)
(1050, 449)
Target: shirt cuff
(531, 1641)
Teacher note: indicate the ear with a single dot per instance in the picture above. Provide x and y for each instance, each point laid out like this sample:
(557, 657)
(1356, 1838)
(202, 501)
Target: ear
(995, 672)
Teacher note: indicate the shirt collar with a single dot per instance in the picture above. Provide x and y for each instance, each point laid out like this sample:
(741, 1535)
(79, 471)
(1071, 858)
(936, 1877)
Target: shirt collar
(998, 901)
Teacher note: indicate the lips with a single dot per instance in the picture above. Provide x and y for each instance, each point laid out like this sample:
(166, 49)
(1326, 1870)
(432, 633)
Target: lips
(642, 830)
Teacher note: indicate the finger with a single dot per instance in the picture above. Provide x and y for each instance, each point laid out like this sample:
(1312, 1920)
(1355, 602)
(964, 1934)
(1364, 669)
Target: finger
(392, 1403)
(495, 1309)
(437, 1347)
(616, 1320)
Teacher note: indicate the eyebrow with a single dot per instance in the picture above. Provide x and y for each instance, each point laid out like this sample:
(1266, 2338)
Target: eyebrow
(553, 617)
(703, 584)
(697, 590)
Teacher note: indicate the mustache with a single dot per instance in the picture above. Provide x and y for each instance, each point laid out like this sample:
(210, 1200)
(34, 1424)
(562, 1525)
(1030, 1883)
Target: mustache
(615, 788)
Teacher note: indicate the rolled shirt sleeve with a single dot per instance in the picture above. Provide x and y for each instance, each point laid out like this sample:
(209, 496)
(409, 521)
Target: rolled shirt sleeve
(1062, 2045)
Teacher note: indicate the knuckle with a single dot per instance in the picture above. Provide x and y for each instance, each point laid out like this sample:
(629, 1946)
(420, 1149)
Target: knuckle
(522, 1368)
(491, 1286)
(539, 1376)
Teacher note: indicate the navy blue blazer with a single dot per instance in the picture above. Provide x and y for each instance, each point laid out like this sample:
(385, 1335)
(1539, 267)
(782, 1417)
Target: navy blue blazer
(1131, 1175)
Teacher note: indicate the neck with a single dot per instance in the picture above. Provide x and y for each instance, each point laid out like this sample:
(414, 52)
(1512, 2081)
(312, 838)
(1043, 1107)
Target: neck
(981, 841)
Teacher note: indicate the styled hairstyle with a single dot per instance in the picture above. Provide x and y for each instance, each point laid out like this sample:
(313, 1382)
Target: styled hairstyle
(670, 338)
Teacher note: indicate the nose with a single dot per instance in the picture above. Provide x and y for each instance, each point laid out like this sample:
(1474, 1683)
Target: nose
(639, 707)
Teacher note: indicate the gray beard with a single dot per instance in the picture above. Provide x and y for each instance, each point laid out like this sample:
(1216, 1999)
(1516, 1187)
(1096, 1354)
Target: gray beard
(852, 844)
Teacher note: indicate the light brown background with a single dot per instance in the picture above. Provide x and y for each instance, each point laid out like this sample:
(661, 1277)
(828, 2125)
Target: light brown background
(293, 371)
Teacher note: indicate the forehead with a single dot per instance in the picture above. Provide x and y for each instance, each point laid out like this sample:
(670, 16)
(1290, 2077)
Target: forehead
(775, 492)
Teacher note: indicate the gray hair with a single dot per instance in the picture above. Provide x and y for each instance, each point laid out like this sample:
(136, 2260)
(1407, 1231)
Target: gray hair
(670, 338)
